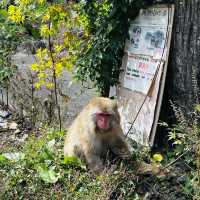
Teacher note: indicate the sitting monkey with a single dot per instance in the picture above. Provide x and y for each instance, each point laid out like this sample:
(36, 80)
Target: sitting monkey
(94, 132)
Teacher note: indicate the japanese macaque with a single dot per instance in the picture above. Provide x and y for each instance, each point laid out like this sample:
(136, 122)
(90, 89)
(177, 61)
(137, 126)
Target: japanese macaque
(94, 132)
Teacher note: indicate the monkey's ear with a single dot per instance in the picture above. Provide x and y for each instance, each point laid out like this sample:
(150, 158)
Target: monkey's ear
(115, 104)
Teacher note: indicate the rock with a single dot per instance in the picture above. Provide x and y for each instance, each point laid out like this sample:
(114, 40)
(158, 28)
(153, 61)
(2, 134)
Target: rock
(3, 125)
(17, 131)
(2, 120)
(181, 179)
(4, 114)
(12, 126)
(25, 136)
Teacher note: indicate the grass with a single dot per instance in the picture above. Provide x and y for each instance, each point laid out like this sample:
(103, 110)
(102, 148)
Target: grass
(38, 170)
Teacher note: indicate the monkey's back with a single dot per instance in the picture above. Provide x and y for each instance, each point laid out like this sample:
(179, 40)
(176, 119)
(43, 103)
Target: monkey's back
(78, 133)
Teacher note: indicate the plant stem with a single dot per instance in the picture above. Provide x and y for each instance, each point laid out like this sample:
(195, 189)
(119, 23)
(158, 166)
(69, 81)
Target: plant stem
(7, 96)
(32, 99)
(54, 80)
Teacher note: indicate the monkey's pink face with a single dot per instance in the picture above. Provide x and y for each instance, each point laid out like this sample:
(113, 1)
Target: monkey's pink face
(104, 121)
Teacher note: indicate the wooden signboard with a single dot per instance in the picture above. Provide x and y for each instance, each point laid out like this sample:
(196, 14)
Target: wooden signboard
(143, 74)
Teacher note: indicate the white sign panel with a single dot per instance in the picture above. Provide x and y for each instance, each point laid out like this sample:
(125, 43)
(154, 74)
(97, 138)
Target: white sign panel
(153, 16)
(143, 74)
(148, 33)
(147, 40)
(139, 73)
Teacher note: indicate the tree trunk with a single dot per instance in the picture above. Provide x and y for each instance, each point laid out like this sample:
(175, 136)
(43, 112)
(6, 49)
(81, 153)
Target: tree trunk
(183, 77)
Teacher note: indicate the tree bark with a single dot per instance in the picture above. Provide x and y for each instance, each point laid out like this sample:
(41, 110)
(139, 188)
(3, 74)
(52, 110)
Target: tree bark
(183, 77)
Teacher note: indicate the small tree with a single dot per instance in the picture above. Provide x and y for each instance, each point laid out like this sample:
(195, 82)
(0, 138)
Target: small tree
(52, 19)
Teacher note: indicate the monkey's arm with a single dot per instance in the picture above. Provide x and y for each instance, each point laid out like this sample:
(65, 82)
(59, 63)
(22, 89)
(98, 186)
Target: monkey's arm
(94, 161)
(119, 146)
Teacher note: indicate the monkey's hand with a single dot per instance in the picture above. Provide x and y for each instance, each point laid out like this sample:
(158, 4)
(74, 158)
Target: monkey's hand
(119, 147)
(123, 153)
(94, 163)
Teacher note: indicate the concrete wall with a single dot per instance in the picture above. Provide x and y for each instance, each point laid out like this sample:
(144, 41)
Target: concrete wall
(39, 105)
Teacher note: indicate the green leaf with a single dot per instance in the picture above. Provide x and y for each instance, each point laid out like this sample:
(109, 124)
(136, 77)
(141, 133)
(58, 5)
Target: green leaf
(2, 158)
(14, 156)
(74, 161)
(3, 12)
(197, 107)
(48, 175)
(50, 145)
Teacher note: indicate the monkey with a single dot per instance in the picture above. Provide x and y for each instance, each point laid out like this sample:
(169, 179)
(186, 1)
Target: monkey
(94, 132)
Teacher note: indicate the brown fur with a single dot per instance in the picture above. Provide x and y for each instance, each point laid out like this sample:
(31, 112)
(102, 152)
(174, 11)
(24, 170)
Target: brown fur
(87, 142)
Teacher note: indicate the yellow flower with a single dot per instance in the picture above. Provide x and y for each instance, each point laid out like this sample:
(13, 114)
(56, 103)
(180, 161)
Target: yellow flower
(42, 75)
(48, 63)
(46, 17)
(157, 157)
(41, 1)
(69, 66)
(68, 37)
(15, 14)
(37, 85)
(25, 2)
(52, 31)
(44, 30)
(35, 67)
(67, 62)
(49, 85)
(56, 8)
(41, 53)
(58, 48)
(58, 69)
